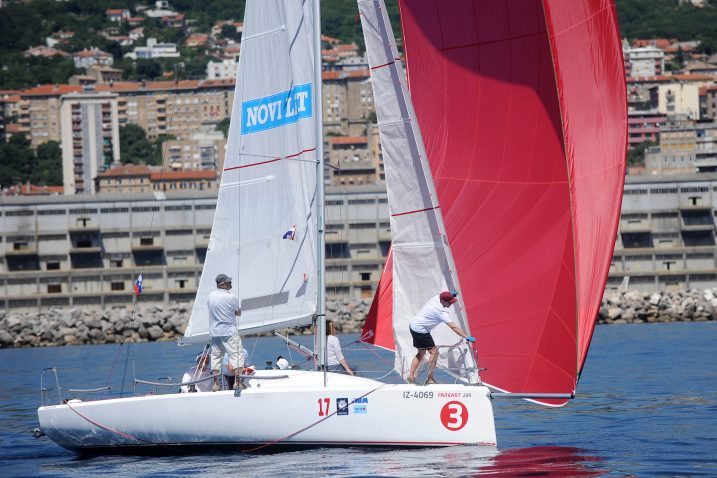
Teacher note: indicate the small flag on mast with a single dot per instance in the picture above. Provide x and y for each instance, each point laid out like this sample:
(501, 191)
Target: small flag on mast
(290, 233)
(138, 285)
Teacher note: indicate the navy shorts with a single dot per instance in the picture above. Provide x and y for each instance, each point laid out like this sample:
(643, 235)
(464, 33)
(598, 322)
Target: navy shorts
(422, 341)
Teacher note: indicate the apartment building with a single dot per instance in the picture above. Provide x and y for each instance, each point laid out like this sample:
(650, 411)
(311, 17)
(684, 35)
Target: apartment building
(177, 108)
(348, 102)
(684, 147)
(39, 112)
(644, 126)
(352, 161)
(201, 151)
(90, 138)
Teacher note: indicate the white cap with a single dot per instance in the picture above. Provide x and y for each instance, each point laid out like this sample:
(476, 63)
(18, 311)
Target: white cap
(282, 363)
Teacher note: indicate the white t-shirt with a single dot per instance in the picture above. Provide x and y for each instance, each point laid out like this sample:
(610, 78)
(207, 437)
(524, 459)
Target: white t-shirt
(190, 376)
(333, 351)
(431, 315)
(222, 317)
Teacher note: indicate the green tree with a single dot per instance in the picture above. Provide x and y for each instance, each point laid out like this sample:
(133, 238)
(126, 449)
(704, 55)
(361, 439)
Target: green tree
(17, 161)
(636, 155)
(223, 126)
(135, 148)
(49, 165)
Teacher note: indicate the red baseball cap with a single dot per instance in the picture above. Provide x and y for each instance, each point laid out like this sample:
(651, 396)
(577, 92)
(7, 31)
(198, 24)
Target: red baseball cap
(448, 297)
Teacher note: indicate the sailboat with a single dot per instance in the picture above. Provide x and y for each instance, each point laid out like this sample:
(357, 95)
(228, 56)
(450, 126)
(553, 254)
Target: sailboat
(273, 183)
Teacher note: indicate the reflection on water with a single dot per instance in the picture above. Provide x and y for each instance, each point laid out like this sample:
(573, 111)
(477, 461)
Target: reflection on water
(548, 461)
(544, 461)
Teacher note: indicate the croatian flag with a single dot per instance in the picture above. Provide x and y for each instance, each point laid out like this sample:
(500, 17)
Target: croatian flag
(138, 285)
(290, 233)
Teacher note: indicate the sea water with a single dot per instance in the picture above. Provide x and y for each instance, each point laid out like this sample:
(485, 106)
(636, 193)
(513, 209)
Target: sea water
(646, 406)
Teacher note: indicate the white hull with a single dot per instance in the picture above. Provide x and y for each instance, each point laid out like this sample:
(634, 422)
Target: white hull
(297, 411)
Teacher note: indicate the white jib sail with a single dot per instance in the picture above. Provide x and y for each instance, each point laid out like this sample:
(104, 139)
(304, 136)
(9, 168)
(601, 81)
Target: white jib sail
(422, 261)
(263, 234)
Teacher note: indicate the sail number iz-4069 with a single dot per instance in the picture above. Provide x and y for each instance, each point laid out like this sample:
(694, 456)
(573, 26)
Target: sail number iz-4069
(418, 394)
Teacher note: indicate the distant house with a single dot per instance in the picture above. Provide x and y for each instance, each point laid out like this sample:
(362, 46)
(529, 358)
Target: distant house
(117, 15)
(177, 20)
(222, 69)
(197, 40)
(104, 74)
(218, 26)
(28, 189)
(154, 50)
(88, 58)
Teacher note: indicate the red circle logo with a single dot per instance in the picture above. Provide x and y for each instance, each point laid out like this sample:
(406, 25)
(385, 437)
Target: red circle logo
(454, 416)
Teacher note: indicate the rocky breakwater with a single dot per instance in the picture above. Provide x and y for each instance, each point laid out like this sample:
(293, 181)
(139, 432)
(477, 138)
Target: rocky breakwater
(639, 307)
(88, 325)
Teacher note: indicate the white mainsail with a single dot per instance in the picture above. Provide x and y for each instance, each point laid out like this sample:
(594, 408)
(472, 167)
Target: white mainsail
(422, 261)
(264, 231)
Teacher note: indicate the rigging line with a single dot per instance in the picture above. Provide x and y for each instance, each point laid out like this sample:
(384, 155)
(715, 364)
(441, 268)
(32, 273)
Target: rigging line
(109, 429)
(311, 425)
(112, 368)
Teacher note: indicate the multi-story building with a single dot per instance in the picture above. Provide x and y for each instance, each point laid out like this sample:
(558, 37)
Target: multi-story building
(191, 180)
(708, 102)
(202, 151)
(223, 69)
(39, 112)
(644, 61)
(76, 250)
(347, 102)
(666, 236)
(685, 145)
(90, 138)
(352, 161)
(124, 179)
(643, 126)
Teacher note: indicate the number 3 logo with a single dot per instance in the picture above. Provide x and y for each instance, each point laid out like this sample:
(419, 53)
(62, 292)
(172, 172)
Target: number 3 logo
(454, 416)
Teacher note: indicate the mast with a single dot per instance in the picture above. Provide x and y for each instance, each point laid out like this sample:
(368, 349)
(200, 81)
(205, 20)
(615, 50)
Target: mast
(320, 251)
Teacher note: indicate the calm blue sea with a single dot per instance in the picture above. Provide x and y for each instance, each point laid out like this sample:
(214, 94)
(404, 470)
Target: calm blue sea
(646, 406)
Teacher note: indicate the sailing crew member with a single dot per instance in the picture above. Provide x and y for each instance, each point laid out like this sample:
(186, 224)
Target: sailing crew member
(199, 372)
(223, 312)
(335, 361)
(433, 313)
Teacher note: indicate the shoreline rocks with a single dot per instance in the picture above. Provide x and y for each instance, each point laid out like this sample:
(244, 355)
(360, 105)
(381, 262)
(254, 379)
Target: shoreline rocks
(157, 322)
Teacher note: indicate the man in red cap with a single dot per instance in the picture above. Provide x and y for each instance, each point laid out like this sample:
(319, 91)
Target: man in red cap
(432, 314)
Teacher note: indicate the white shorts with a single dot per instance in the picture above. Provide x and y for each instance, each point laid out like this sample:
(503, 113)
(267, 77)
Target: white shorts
(230, 345)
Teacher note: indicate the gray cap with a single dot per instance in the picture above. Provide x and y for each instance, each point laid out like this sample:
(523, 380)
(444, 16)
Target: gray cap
(222, 278)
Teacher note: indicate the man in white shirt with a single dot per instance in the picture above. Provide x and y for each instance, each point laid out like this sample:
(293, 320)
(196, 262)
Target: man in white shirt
(199, 372)
(433, 313)
(223, 312)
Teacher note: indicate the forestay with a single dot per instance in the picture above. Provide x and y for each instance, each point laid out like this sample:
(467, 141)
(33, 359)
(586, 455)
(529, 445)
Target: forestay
(422, 265)
(264, 232)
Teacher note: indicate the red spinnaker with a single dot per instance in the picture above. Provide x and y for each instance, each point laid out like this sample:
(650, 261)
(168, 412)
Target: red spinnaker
(522, 108)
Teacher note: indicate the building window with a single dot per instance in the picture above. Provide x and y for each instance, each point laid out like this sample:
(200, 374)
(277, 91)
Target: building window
(53, 266)
(54, 288)
(117, 285)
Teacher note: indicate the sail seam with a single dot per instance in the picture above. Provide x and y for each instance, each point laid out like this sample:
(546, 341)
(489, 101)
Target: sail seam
(271, 160)
(266, 33)
(414, 212)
